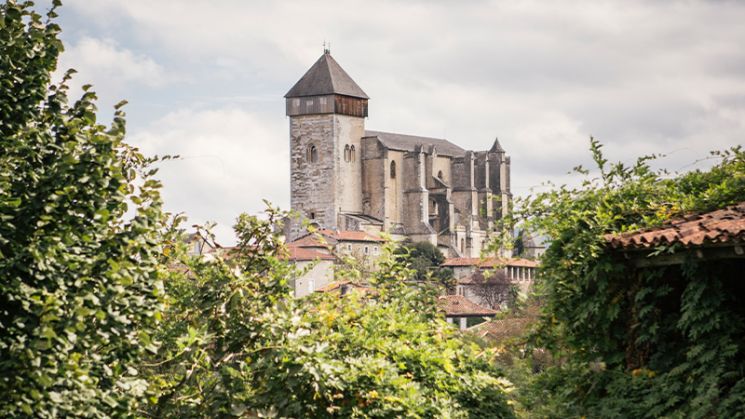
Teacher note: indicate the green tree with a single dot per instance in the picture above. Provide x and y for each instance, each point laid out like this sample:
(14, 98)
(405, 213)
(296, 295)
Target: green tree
(236, 343)
(425, 258)
(79, 287)
(648, 342)
(519, 243)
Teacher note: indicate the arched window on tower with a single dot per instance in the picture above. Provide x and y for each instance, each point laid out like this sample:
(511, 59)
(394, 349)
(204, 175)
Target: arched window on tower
(439, 174)
(312, 153)
(393, 169)
(463, 246)
(346, 153)
(352, 156)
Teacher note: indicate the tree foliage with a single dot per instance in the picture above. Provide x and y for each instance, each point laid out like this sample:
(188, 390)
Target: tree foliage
(670, 341)
(425, 258)
(236, 343)
(494, 289)
(79, 290)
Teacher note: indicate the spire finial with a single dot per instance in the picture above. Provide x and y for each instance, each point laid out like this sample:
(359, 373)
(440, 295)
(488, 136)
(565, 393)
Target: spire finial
(325, 49)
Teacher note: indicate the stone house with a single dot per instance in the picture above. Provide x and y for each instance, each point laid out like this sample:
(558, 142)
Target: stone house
(458, 310)
(338, 242)
(521, 270)
(324, 248)
(346, 178)
(487, 281)
(320, 269)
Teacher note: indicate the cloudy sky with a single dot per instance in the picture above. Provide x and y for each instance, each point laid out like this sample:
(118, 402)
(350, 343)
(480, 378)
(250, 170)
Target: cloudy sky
(205, 80)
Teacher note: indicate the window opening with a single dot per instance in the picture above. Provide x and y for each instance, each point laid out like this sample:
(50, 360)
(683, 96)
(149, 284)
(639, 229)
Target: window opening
(393, 169)
(367, 250)
(346, 153)
(312, 153)
(312, 215)
(439, 174)
(352, 156)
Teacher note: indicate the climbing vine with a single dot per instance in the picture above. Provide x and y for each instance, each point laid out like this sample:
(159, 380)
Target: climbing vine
(652, 342)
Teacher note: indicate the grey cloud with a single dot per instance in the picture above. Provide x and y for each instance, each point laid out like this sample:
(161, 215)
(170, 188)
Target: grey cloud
(642, 76)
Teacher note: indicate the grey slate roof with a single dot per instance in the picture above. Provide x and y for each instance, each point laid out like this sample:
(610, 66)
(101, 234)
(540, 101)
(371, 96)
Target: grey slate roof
(326, 77)
(408, 142)
(497, 148)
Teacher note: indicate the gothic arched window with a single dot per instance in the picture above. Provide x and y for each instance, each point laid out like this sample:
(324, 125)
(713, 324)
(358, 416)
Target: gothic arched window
(312, 153)
(393, 169)
(439, 174)
(346, 153)
(352, 156)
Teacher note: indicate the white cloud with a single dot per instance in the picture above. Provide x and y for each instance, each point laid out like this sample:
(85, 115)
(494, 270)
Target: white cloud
(229, 161)
(110, 68)
(105, 57)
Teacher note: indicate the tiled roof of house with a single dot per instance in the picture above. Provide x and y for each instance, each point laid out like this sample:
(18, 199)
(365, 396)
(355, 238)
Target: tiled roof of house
(301, 253)
(500, 328)
(292, 253)
(344, 235)
(338, 284)
(477, 277)
(489, 263)
(721, 226)
(307, 241)
(408, 143)
(457, 305)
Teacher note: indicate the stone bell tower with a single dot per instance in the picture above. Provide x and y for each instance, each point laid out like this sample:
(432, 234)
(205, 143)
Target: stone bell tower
(327, 111)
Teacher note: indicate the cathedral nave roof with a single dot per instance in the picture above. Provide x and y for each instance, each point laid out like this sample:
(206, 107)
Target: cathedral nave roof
(409, 142)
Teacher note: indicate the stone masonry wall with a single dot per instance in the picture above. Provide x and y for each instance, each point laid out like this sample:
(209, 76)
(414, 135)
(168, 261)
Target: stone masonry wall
(373, 179)
(348, 131)
(313, 184)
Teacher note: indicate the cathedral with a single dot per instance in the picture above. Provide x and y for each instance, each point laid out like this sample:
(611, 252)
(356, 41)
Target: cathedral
(346, 178)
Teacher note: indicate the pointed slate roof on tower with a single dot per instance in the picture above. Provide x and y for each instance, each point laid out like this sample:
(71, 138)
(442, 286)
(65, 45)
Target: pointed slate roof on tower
(497, 148)
(326, 77)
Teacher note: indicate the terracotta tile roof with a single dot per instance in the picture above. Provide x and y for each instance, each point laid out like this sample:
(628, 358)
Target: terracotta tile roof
(293, 253)
(336, 285)
(344, 235)
(477, 277)
(501, 328)
(301, 253)
(489, 263)
(721, 226)
(457, 305)
(307, 241)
